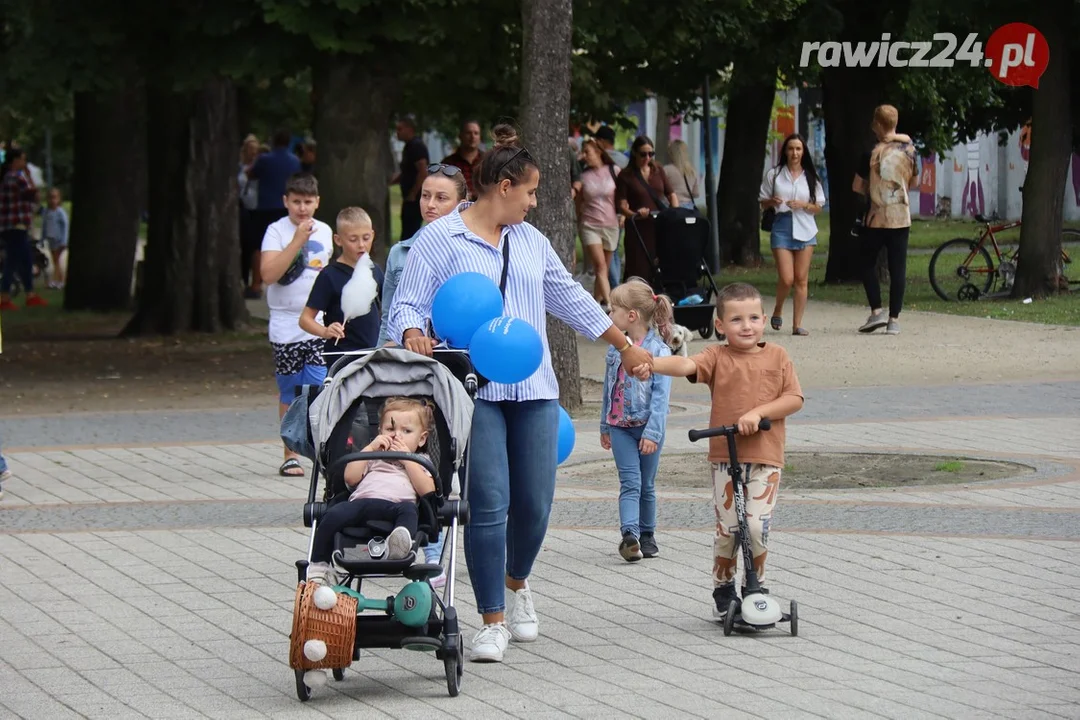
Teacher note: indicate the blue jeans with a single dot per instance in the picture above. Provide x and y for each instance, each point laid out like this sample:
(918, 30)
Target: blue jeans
(19, 259)
(637, 481)
(512, 459)
(614, 271)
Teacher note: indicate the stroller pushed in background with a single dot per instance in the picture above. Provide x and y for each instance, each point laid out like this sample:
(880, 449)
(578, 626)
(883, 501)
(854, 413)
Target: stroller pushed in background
(343, 416)
(679, 269)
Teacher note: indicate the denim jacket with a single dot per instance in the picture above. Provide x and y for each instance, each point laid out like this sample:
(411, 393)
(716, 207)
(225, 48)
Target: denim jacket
(647, 400)
(395, 265)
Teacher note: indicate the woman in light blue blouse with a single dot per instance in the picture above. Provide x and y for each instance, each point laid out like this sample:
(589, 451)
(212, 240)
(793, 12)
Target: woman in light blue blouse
(440, 195)
(513, 452)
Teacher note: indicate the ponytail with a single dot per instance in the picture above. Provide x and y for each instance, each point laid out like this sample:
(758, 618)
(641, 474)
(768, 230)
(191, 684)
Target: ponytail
(636, 294)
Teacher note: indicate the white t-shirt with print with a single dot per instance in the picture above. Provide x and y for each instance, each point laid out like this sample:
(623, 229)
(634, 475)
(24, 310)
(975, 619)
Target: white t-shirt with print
(287, 301)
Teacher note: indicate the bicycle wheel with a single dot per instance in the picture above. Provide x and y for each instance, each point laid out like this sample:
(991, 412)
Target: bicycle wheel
(958, 263)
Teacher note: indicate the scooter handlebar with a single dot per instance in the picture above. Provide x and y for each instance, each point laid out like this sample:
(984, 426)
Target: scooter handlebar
(696, 435)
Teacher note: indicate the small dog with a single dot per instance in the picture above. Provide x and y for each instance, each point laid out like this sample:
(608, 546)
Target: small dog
(680, 340)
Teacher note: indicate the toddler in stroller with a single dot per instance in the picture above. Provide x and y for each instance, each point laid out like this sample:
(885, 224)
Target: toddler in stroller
(399, 424)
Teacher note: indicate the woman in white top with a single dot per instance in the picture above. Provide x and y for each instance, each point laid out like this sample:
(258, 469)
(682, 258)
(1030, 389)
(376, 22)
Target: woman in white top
(681, 175)
(792, 188)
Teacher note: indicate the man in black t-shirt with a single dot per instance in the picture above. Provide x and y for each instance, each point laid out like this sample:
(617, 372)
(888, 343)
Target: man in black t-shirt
(414, 165)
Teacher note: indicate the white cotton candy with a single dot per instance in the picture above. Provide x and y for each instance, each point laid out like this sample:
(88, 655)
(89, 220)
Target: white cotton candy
(361, 290)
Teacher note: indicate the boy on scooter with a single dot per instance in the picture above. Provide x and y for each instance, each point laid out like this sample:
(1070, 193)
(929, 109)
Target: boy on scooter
(749, 380)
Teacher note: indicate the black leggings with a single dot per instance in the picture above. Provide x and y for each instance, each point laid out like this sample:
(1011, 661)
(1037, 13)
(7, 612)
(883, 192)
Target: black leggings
(354, 514)
(895, 241)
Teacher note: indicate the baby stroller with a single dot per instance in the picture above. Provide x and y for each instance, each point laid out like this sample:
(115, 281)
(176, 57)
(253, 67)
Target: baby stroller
(679, 268)
(343, 416)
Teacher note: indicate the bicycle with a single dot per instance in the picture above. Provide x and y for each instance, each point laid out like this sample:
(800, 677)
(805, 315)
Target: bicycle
(970, 263)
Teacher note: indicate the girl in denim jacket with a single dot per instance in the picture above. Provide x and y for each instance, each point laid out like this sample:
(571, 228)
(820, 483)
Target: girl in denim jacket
(634, 414)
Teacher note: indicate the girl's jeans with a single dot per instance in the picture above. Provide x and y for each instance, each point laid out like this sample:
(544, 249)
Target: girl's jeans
(512, 459)
(637, 480)
(761, 483)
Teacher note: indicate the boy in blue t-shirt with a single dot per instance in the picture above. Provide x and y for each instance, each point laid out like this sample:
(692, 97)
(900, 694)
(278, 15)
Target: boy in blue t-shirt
(354, 236)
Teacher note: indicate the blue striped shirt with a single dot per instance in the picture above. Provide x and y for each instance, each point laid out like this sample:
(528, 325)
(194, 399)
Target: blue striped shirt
(537, 282)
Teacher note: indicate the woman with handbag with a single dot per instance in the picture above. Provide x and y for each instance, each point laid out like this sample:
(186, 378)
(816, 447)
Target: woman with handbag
(641, 190)
(790, 196)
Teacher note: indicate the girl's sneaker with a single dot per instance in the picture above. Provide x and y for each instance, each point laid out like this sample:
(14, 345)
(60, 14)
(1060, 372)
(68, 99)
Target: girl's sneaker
(630, 548)
(398, 544)
(649, 548)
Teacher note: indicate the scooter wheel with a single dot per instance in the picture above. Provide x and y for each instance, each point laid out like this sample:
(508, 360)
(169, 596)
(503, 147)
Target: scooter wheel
(794, 618)
(729, 619)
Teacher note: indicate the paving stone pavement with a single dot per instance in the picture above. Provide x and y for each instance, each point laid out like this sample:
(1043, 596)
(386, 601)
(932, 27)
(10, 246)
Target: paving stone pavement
(151, 575)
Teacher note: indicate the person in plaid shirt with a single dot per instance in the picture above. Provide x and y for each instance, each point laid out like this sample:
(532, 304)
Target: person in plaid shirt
(18, 197)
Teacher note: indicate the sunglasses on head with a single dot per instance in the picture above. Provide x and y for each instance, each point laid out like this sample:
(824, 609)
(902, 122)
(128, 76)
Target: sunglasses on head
(447, 170)
(523, 152)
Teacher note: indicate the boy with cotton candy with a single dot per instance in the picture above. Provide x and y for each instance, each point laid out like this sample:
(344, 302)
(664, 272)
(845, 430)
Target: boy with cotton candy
(345, 292)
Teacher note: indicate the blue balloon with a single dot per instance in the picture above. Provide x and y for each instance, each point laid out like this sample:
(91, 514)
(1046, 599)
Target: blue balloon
(567, 436)
(463, 303)
(506, 350)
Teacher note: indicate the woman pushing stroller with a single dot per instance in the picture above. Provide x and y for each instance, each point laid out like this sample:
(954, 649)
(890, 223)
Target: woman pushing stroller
(515, 427)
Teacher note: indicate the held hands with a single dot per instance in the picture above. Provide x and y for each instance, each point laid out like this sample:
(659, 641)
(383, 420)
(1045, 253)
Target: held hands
(334, 330)
(605, 441)
(634, 357)
(748, 423)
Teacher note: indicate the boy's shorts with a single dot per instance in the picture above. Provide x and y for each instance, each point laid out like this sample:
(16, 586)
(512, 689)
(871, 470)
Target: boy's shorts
(56, 244)
(297, 364)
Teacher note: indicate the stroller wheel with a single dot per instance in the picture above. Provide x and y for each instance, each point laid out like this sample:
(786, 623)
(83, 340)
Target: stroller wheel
(302, 691)
(454, 664)
(339, 674)
(706, 332)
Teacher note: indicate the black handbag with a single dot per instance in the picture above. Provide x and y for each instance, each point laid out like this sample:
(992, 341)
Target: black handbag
(768, 216)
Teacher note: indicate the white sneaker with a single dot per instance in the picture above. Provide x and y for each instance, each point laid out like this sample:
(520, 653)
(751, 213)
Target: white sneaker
(489, 643)
(521, 615)
(398, 544)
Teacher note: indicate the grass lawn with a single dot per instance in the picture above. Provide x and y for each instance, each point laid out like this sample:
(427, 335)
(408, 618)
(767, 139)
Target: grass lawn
(1060, 310)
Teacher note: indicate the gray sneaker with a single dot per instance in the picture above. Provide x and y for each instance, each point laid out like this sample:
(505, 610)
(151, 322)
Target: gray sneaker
(893, 328)
(875, 322)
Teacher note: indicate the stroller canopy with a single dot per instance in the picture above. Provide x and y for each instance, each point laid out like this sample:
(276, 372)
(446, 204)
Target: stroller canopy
(390, 372)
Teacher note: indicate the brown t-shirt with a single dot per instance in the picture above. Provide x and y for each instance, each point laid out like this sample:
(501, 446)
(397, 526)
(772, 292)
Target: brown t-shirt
(740, 382)
(630, 186)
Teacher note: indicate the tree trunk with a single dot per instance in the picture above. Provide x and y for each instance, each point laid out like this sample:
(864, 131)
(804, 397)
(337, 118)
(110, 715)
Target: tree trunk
(545, 109)
(105, 208)
(849, 96)
(749, 106)
(354, 102)
(1037, 275)
(191, 280)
